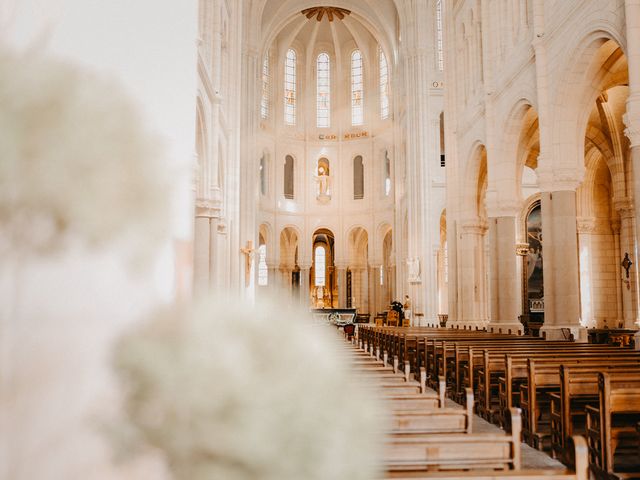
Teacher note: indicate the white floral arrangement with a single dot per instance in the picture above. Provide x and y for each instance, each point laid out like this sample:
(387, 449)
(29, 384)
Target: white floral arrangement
(75, 160)
(233, 392)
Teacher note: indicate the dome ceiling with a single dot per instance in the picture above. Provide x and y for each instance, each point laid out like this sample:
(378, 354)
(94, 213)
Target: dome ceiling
(306, 21)
(330, 12)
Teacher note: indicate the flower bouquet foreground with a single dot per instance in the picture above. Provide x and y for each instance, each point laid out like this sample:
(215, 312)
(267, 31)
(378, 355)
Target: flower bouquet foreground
(225, 390)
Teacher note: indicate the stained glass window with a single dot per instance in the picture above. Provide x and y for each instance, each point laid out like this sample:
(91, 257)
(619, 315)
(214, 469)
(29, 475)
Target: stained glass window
(384, 85)
(290, 88)
(320, 266)
(357, 89)
(323, 87)
(266, 84)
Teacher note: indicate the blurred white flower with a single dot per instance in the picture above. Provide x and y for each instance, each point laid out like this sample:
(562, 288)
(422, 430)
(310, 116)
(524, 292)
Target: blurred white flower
(229, 391)
(75, 160)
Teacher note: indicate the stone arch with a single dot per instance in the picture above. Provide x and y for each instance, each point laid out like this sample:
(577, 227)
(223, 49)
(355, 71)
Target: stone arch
(358, 246)
(475, 184)
(289, 246)
(596, 64)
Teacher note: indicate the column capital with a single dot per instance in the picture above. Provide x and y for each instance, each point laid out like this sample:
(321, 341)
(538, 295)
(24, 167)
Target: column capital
(558, 177)
(586, 224)
(615, 225)
(504, 209)
(208, 208)
(631, 120)
(624, 207)
(474, 227)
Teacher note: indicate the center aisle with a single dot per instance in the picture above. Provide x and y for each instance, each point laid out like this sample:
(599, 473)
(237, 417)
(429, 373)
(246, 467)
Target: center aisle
(433, 437)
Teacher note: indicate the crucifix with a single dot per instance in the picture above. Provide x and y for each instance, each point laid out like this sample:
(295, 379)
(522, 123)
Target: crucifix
(248, 252)
(626, 264)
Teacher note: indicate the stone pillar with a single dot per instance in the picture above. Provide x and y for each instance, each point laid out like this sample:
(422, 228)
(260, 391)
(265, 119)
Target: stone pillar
(629, 289)
(201, 254)
(341, 272)
(304, 286)
(615, 229)
(505, 280)
(215, 254)
(585, 227)
(472, 281)
(632, 117)
(373, 284)
(561, 268)
(273, 280)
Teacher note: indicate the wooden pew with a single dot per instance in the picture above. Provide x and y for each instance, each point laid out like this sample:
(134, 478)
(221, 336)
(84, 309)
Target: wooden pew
(495, 376)
(608, 437)
(543, 379)
(581, 471)
(437, 420)
(417, 451)
(424, 442)
(578, 388)
(504, 374)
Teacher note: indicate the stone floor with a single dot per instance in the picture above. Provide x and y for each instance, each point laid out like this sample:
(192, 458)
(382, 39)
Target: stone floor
(531, 458)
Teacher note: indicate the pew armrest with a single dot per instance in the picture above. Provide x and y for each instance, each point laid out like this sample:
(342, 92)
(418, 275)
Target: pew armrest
(581, 457)
(516, 436)
(469, 407)
(442, 390)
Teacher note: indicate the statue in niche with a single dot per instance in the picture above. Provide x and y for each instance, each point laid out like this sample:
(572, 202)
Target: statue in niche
(413, 270)
(323, 179)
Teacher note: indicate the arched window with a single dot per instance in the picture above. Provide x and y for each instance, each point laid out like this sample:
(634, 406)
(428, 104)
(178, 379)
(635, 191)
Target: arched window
(263, 270)
(323, 87)
(387, 174)
(357, 89)
(384, 85)
(439, 42)
(290, 88)
(263, 175)
(288, 177)
(266, 85)
(358, 178)
(320, 266)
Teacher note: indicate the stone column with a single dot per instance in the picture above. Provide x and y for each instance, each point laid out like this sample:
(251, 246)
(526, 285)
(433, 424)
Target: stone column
(273, 279)
(561, 267)
(373, 283)
(629, 288)
(472, 282)
(632, 117)
(341, 272)
(201, 254)
(304, 286)
(615, 229)
(585, 227)
(505, 279)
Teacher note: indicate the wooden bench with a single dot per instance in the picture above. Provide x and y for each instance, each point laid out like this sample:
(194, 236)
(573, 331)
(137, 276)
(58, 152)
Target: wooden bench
(581, 471)
(504, 374)
(406, 451)
(543, 379)
(613, 444)
(429, 440)
(578, 388)
(436, 420)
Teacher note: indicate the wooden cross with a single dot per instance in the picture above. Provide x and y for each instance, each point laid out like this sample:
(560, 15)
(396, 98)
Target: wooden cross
(248, 252)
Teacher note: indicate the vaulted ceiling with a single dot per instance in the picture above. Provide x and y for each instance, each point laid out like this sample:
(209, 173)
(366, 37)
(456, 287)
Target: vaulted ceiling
(376, 18)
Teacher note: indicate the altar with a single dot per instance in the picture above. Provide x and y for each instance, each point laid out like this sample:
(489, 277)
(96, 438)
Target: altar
(335, 316)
